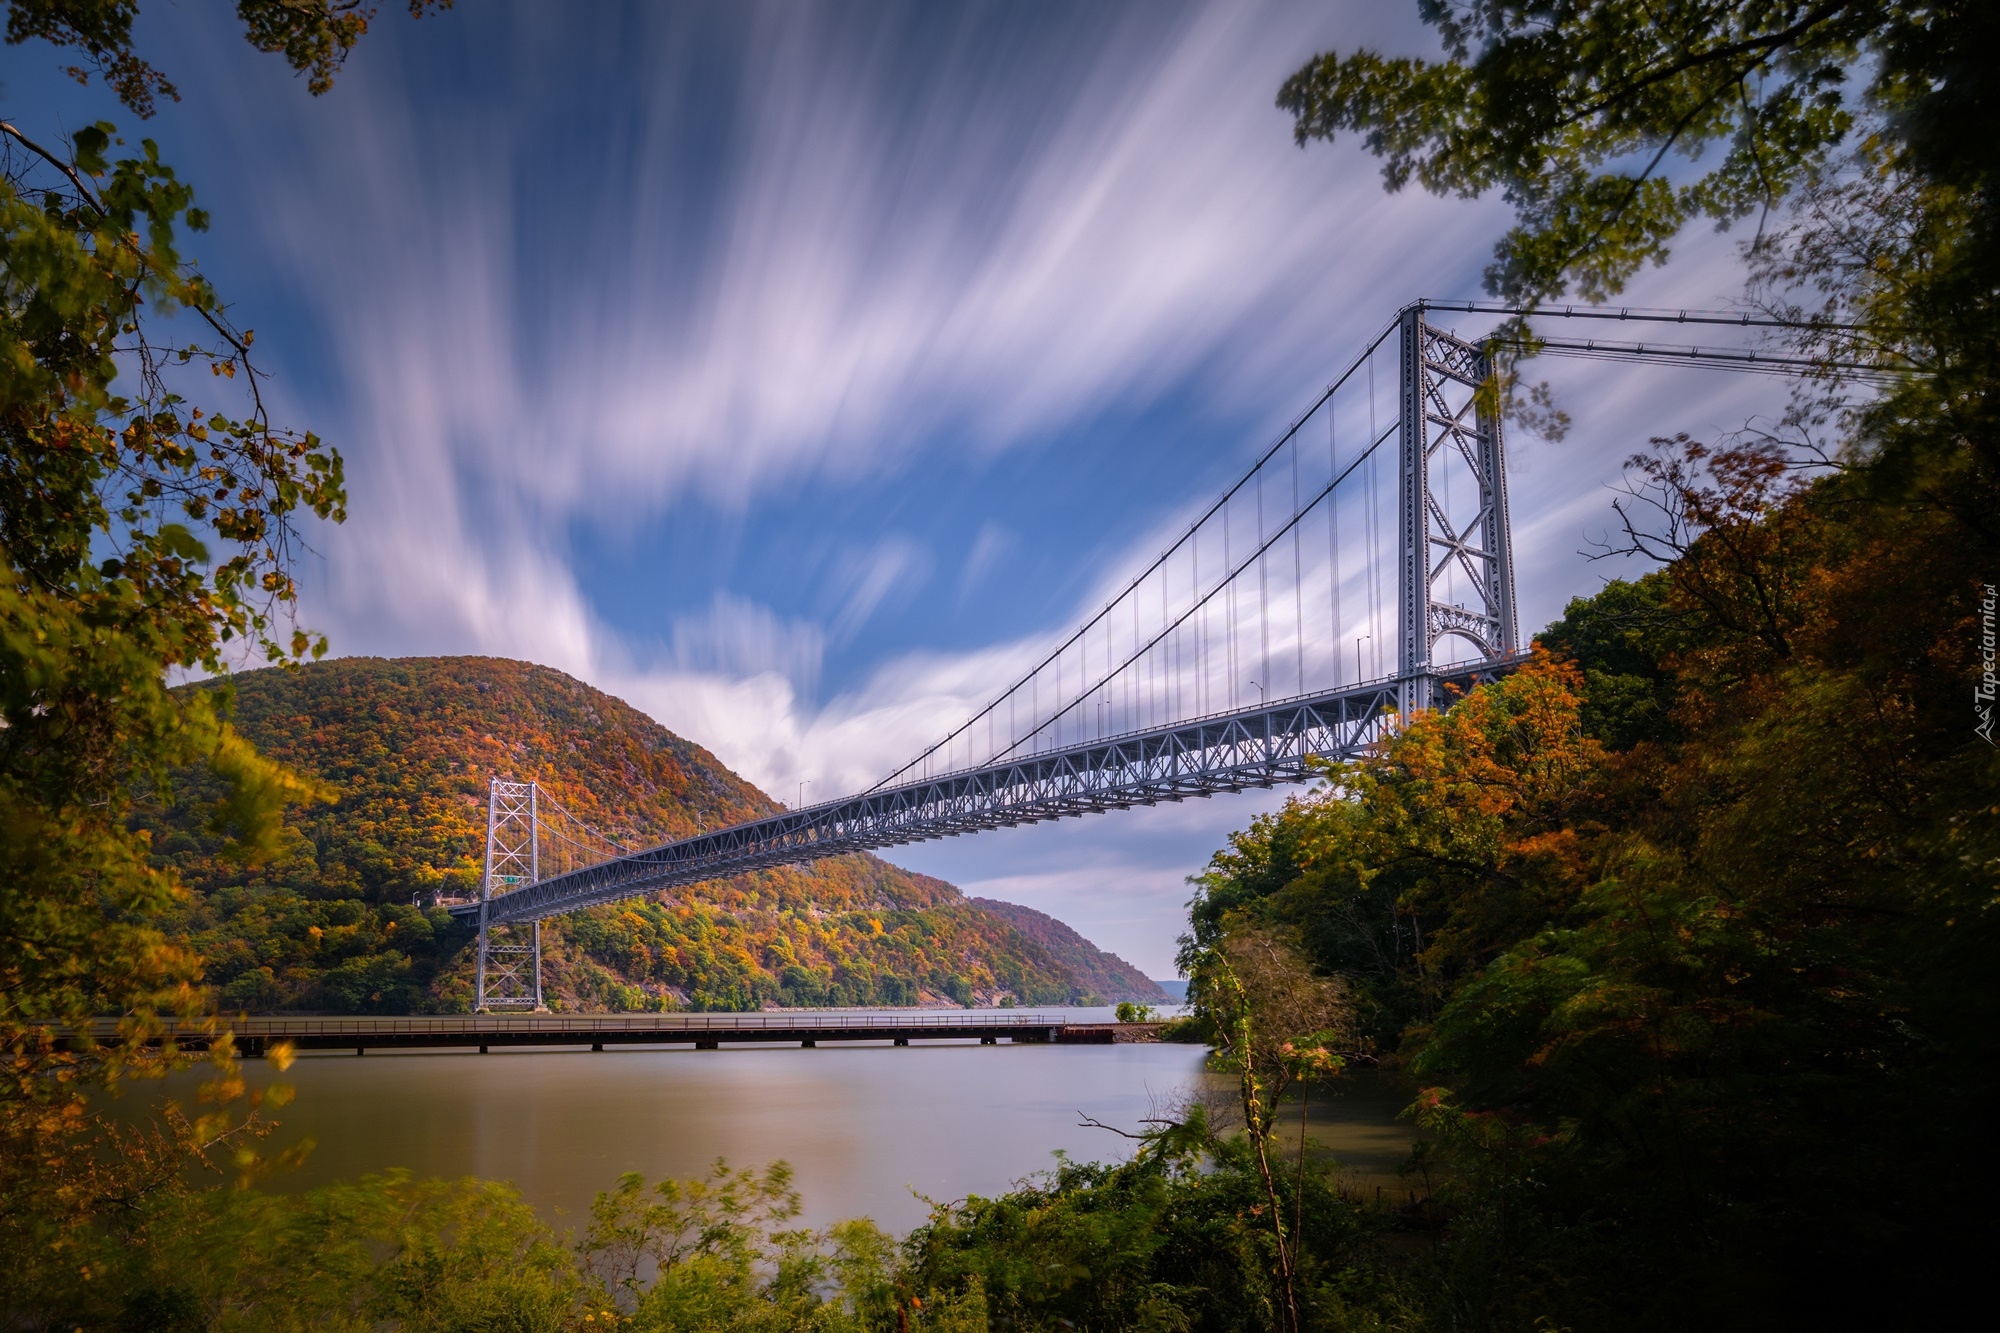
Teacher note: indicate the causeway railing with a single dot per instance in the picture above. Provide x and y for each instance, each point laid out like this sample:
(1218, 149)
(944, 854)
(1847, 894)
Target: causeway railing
(255, 1031)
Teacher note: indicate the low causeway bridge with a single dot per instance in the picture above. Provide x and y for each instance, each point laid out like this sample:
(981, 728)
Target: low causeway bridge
(254, 1036)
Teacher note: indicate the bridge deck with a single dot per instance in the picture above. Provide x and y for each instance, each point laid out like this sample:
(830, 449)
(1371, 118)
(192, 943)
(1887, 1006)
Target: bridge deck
(254, 1036)
(1257, 747)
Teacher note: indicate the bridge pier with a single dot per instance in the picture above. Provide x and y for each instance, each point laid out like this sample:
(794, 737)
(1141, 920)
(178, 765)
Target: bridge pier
(359, 1050)
(708, 1045)
(902, 1041)
(597, 1046)
(808, 1044)
(989, 1041)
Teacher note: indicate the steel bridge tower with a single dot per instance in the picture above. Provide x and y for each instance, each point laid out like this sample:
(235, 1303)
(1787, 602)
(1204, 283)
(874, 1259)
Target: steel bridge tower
(1456, 565)
(510, 974)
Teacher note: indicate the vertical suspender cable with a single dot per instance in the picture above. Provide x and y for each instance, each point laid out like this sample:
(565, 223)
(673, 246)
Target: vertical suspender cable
(1298, 578)
(1336, 629)
(1228, 610)
(1263, 597)
(1373, 524)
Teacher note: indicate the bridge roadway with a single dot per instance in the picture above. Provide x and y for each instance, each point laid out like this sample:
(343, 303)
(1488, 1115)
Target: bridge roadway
(1253, 747)
(255, 1035)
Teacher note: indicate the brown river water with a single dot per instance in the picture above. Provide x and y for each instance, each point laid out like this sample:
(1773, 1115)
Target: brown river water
(867, 1127)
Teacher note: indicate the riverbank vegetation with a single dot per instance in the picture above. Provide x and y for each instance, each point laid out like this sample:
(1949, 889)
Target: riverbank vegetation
(1165, 1242)
(1684, 932)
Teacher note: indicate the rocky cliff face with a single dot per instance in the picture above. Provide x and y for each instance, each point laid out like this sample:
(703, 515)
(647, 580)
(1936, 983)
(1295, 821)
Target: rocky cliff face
(337, 921)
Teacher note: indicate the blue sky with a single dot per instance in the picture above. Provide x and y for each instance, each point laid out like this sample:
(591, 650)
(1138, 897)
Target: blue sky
(795, 371)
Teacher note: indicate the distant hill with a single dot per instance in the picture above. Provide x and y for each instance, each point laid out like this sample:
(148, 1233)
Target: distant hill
(334, 924)
(1111, 977)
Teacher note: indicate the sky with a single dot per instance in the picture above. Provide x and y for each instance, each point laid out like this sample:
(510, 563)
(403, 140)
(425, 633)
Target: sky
(794, 372)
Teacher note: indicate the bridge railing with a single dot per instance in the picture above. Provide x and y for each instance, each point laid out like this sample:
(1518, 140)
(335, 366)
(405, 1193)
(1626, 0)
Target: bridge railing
(278, 1028)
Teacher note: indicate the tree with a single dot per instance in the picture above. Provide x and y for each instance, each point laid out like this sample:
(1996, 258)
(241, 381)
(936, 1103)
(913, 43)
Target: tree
(1275, 1023)
(1859, 132)
(1575, 109)
(314, 37)
(113, 487)
(141, 535)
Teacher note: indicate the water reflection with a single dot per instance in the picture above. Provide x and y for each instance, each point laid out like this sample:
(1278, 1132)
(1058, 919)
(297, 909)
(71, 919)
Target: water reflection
(863, 1125)
(867, 1126)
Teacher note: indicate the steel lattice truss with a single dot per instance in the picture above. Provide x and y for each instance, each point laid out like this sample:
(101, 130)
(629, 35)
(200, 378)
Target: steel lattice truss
(1257, 747)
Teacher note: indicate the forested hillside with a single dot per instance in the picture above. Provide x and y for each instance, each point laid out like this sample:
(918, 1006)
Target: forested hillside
(1106, 974)
(338, 920)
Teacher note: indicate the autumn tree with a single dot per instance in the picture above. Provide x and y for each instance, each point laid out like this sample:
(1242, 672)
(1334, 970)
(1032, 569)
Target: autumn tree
(149, 525)
(1275, 1023)
(1703, 900)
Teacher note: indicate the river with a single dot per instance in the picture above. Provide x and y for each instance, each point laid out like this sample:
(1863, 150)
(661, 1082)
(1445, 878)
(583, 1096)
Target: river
(867, 1127)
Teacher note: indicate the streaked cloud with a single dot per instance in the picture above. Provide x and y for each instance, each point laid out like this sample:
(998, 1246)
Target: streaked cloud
(862, 580)
(737, 639)
(988, 549)
(558, 280)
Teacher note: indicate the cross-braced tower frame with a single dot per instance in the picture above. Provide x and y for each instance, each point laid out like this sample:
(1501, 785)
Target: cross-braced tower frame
(1457, 562)
(510, 973)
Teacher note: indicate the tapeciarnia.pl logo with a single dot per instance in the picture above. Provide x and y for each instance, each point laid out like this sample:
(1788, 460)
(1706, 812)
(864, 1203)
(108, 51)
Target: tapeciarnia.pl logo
(1989, 681)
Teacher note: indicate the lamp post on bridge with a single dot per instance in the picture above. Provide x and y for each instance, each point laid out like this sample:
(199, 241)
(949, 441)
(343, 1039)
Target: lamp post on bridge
(1357, 656)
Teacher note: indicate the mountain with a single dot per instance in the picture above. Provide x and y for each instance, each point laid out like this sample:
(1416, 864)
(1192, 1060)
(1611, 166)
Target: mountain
(339, 922)
(1106, 974)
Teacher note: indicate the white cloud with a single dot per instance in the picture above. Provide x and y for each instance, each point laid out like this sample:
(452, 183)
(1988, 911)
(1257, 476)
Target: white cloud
(854, 286)
(988, 549)
(738, 639)
(981, 265)
(862, 580)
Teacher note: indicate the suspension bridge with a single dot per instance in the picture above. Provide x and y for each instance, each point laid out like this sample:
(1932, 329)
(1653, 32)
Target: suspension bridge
(1266, 636)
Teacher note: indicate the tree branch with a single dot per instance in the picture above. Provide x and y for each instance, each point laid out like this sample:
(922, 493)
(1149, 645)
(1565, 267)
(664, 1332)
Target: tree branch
(97, 206)
(1747, 45)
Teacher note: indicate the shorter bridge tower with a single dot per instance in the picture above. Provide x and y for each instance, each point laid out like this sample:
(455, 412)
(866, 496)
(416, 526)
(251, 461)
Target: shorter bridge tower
(510, 971)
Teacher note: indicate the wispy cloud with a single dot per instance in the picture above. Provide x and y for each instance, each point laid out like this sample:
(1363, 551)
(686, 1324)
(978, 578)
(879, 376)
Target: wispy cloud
(988, 548)
(637, 261)
(736, 638)
(885, 251)
(862, 580)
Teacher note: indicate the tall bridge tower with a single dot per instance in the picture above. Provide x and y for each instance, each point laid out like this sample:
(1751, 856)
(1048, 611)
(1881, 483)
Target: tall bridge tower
(1453, 506)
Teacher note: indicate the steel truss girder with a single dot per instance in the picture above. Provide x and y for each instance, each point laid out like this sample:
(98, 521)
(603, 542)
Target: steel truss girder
(1256, 747)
